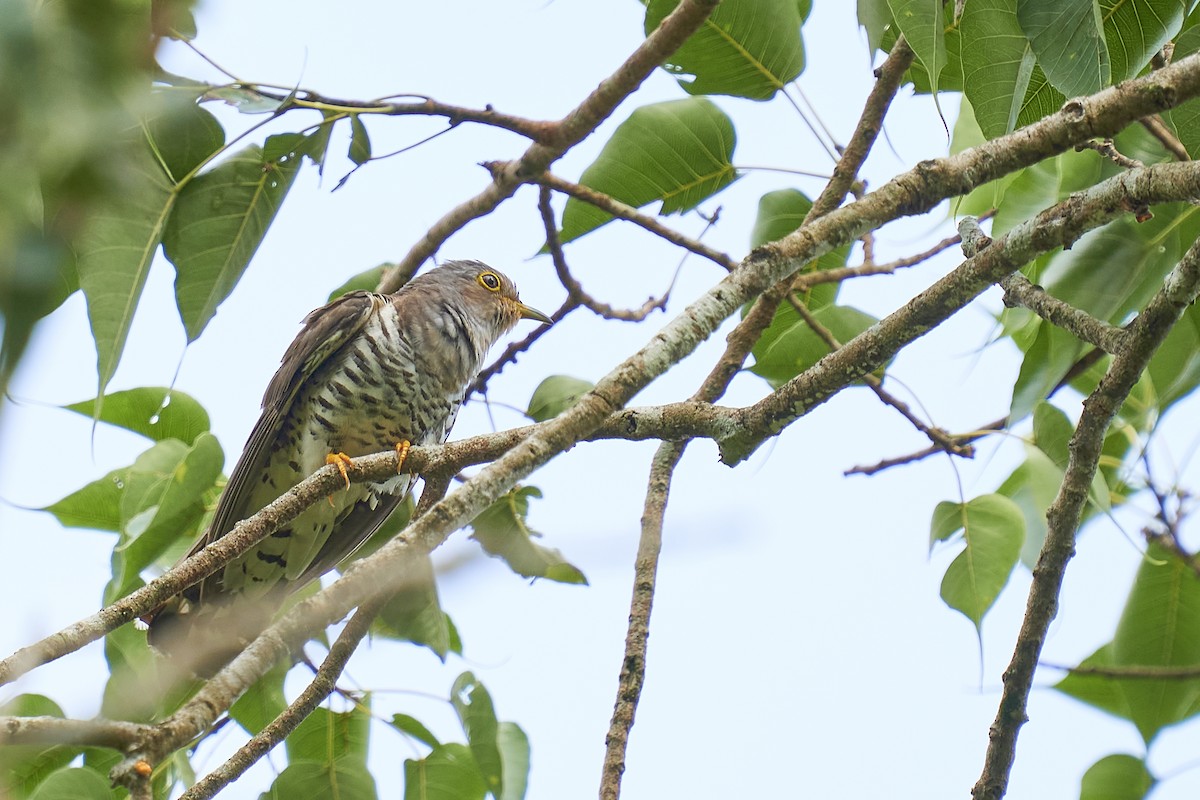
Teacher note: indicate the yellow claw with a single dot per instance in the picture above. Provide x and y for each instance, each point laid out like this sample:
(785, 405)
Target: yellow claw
(341, 460)
(402, 448)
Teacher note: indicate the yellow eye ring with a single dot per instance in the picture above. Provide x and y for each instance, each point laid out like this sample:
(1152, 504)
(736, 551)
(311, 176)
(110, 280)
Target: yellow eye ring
(489, 281)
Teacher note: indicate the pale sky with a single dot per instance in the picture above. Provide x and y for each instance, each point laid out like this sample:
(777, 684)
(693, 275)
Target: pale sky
(798, 645)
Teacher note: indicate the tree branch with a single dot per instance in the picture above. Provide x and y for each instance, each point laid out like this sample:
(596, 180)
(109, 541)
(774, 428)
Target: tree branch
(324, 682)
(1018, 291)
(1146, 333)
(1058, 226)
(113, 734)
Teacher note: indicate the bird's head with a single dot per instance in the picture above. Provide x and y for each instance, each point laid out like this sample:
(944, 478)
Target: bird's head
(484, 293)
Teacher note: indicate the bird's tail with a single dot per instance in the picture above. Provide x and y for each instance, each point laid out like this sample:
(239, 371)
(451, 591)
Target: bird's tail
(199, 639)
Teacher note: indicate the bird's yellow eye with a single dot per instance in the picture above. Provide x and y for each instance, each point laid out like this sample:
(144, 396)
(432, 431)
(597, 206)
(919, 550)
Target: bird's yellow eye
(489, 281)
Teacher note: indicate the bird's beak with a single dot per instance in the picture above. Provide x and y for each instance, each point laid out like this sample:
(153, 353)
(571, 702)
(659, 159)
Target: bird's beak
(528, 312)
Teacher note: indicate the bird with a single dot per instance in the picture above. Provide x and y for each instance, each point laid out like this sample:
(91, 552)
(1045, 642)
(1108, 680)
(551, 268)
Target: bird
(367, 373)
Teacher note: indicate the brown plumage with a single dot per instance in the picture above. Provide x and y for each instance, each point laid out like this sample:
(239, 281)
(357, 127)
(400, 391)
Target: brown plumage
(366, 373)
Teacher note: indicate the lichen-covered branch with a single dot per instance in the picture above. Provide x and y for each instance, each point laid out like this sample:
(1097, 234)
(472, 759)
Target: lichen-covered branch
(1146, 333)
(1018, 291)
(279, 728)
(1059, 226)
(113, 734)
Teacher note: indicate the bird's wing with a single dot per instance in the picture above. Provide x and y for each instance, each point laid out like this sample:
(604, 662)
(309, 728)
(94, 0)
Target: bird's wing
(325, 331)
(353, 530)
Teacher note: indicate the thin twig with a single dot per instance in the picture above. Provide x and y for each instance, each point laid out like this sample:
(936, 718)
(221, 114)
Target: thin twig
(535, 130)
(633, 665)
(629, 213)
(1106, 148)
(919, 258)
(940, 438)
(575, 290)
(1166, 137)
(750, 329)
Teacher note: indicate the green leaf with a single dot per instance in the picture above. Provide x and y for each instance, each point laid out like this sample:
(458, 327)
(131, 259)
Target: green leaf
(96, 506)
(780, 213)
(475, 711)
(448, 773)
(1174, 371)
(360, 142)
(344, 779)
(1185, 119)
(114, 254)
(1068, 39)
(414, 613)
(1052, 432)
(1046, 362)
(789, 346)
(73, 783)
(967, 134)
(262, 702)
(1033, 486)
(23, 767)
(997, 64)
(746, 48)
(555, 395)
(1115, 270)
(514, 753)
(155, 412)
(1099, 691)
(220, 220)
(367, 281)
(415, 728)
(244, 99)
(1134, 30)
(874, 16)
(1041, 99)
(134, 688)
(993, 530)
(1160, 626)
(502, 531)
(923, 26)
(678, 152)
(163, 497)
(316, 144)
(330, 738)
(183, 135)
(1116, 777)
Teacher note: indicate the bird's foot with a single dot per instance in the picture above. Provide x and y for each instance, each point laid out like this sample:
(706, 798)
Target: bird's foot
(341, 461)
(402, 448)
